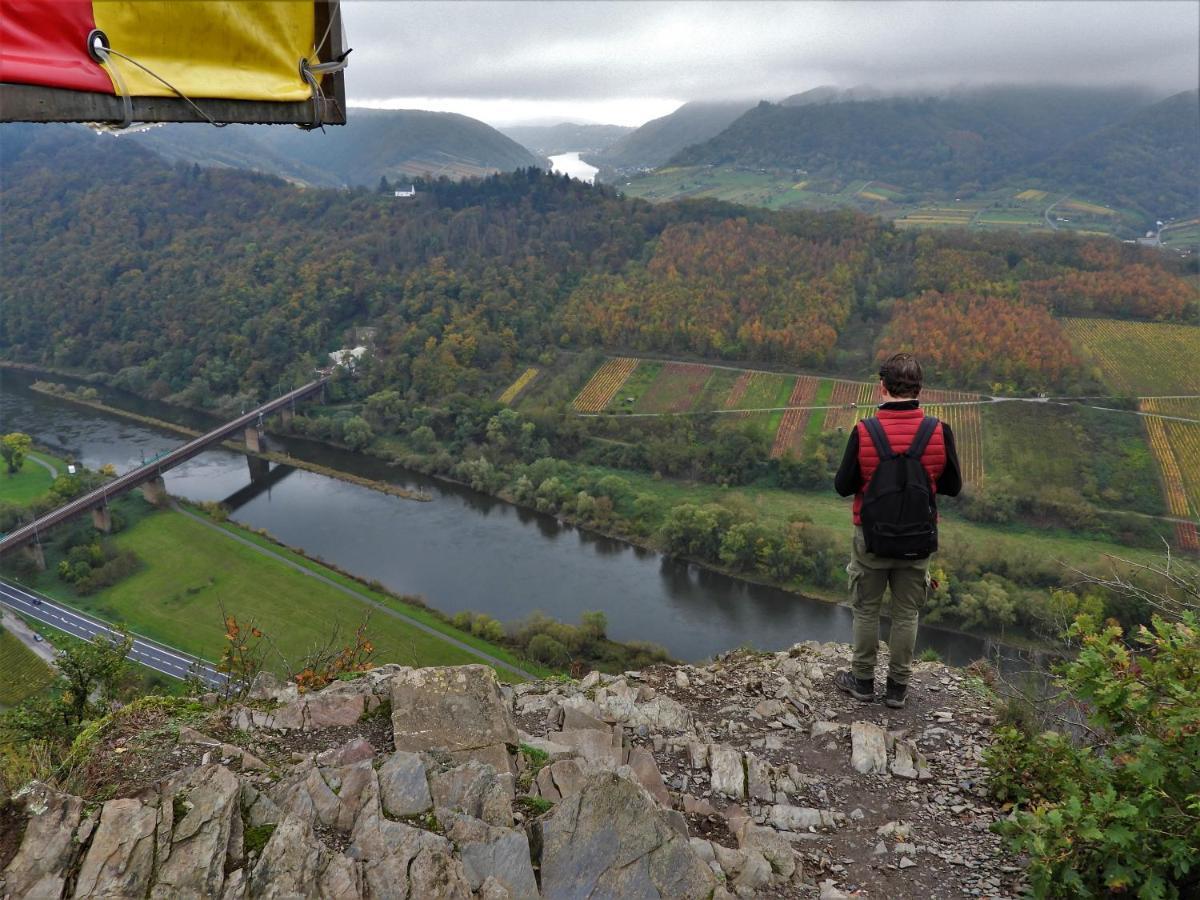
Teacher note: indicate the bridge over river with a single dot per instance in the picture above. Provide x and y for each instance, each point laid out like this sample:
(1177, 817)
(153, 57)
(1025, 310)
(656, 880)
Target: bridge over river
(149, 475)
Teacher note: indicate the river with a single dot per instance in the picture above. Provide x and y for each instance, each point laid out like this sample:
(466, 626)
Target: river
(463, 550)
(571, 164)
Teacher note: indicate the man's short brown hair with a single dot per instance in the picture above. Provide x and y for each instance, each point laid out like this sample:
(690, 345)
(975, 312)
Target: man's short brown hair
(902, 375)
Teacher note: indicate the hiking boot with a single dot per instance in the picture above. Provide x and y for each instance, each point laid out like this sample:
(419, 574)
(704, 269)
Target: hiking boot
(895, 694)
(859, 688)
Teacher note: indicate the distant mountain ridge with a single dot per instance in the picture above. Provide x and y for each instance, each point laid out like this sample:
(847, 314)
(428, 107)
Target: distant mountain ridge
(396, 144)
(1098, 140)
(830, 94)
(1150, 160)
(658, 140)
(566, 137)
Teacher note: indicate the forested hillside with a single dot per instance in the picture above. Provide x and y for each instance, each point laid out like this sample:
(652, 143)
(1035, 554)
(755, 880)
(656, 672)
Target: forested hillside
(397, 144)
(1148, 160)
(659, 139)
(210, 282)
(1100, 142)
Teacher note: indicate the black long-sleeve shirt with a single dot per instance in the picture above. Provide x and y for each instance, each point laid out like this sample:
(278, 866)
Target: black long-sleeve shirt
(849, 479)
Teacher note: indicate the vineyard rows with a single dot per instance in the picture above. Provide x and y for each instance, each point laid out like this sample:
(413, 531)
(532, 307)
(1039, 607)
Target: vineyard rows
(1141, 358)
(790, 436)
(733, 401)
(510, 393)
(603, 386)
(967, 424)
(852, 400)
(677, 387)
(1176, 446)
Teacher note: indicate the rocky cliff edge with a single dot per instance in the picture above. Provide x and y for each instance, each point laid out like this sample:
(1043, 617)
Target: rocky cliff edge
(748, 777)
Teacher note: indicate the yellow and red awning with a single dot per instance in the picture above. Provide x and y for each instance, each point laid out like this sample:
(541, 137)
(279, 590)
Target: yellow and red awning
(220, 49)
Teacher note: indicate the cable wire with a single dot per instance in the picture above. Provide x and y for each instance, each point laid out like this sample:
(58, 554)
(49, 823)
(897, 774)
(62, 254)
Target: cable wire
(182, 96)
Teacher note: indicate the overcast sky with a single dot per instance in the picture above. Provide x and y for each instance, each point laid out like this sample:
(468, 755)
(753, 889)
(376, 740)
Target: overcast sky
(629, 62)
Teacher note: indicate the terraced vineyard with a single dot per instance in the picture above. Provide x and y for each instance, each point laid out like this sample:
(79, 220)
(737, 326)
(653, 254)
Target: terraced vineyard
(958, 215)
(1176, 446)
(1141, 359)
(510, 393)
(967, 424)
(790, 438)
(852, 401)
(649, 387)
(603, 386)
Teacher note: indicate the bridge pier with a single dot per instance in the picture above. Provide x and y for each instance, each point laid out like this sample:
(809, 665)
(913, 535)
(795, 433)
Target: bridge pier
(285, 416)
(155, 492)
(102, 519)
(34, 553)
(259, 468)
(253, 439)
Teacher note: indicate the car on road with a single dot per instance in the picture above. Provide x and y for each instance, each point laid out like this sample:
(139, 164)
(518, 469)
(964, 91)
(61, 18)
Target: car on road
(37, 637)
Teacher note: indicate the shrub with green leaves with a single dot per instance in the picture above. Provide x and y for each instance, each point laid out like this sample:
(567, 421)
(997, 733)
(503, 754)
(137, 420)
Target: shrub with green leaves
(1121, 815)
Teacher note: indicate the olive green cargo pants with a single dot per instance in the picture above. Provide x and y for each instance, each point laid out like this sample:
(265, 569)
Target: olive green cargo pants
(870, 576)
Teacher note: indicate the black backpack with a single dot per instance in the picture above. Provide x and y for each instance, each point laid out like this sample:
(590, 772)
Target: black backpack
(899, 510)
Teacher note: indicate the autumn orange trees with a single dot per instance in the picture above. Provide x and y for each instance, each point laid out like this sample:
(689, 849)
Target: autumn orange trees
(972, 339)
(729, 288)
(1137, 290)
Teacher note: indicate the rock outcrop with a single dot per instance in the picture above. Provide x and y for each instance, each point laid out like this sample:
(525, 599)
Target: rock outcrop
(747, 777)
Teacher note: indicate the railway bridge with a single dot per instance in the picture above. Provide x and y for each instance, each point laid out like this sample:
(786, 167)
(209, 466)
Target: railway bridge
(149, 476)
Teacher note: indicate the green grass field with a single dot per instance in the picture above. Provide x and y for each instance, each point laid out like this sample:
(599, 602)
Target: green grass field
(31, 482)
(408, 609)
(189, 570)
(22, 674)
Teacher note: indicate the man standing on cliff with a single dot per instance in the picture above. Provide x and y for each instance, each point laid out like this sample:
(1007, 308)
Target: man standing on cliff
(878, 560)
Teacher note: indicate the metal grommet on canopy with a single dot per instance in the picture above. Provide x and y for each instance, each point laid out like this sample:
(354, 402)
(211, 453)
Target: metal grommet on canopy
(97, 44)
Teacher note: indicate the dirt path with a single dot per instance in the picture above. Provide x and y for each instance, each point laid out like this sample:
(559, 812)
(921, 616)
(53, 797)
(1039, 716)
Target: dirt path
(49, 467)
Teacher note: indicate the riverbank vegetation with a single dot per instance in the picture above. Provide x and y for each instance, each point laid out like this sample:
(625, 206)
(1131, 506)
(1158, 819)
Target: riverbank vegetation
(990, 578)
(186, 569)
(1103, 778)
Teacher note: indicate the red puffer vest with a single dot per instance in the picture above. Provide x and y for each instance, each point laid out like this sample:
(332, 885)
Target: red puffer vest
(900, 426)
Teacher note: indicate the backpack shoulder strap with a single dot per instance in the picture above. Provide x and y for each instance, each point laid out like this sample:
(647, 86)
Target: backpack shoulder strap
(878, 437)
(921, 439)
